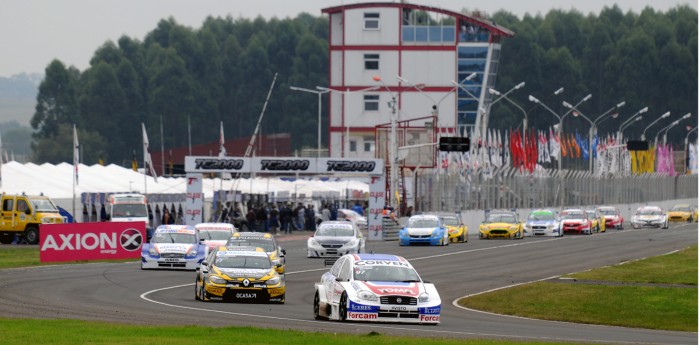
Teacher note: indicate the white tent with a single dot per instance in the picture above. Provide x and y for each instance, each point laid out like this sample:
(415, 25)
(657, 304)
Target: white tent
(56, 181)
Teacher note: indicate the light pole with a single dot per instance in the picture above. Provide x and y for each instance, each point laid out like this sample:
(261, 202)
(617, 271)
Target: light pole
(665, 115)
(665, 129)
(319, 93)
(477, 122)
(685, 150)
(419, 87)
(590, 134)
(346, 138)
(602, 117)
(505, 96)
(537, 101)
(627, 124)
(393, 156)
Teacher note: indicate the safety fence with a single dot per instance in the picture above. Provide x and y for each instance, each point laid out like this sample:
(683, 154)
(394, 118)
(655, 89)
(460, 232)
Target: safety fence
(510, 188)
(390, 229)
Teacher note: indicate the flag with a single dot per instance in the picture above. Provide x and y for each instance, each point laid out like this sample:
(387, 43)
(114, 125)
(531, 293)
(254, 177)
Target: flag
(76, 153)
(222, 149)
(101, 161)
(134, 163)
(147, 162)
(170, 162)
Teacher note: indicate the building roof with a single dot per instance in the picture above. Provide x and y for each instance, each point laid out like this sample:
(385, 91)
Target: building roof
(487, 24)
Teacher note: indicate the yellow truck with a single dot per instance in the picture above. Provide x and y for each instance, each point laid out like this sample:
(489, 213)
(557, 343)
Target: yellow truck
(23, 215)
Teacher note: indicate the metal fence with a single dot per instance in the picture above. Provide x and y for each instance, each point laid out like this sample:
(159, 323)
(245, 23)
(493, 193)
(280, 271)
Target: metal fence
(510, 188)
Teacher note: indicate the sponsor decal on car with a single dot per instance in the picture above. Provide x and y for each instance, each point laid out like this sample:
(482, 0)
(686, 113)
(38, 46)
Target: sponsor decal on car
(362, 308)
(246, 295)
(362, 316)
(275, 292)
(429, 318)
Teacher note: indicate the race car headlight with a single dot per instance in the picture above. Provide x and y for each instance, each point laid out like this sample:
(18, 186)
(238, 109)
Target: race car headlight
(367, 295)
(512, 228)
(424, 297)
(435, 233)
(217, 280)
(273, 281)
(351, 243)
(313, 242)
(153, 251)
(192, 252)
(276, 262)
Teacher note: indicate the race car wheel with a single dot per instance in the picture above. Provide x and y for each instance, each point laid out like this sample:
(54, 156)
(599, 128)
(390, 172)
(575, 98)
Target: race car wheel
(196, 289)
(201, 294)
(317, 307)
(31, 235)
(343, 307)
(464, 237)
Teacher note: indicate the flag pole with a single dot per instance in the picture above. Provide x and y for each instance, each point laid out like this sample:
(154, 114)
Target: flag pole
(145, 152)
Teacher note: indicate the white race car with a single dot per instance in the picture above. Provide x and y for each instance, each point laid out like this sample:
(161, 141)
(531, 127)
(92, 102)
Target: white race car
(652, 216)
(375, 287)
(215, 234)
(543, 222)
(335, 238)
(175, 247)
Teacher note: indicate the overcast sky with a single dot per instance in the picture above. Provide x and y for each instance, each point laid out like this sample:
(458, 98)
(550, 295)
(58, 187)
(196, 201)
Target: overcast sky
(33, 32)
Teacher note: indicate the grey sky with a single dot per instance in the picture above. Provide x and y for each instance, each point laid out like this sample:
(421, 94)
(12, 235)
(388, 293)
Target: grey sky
(33, 32)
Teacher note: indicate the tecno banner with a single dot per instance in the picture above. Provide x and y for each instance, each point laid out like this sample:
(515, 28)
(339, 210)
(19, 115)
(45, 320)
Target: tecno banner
(91, 241)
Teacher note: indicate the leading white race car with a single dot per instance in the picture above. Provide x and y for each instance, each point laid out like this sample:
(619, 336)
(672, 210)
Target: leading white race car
(375, 287)
(652, 216)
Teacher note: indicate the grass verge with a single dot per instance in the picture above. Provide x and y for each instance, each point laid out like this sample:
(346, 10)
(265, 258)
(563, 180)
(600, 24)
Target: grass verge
(20, 256)
(68, 332)
(608, 303)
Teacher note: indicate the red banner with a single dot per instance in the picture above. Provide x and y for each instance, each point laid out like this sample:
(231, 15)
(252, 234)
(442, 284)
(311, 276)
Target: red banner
(91, 241)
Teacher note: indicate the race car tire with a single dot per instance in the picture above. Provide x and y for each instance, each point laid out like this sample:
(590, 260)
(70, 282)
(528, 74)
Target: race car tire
(317, 307)
(201, 294)
(196, 290)
(464, 237)
(666, 225)
(31, 235)
(343, 307)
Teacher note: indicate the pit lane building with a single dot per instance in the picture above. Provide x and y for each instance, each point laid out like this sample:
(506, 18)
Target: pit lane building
(410, 54)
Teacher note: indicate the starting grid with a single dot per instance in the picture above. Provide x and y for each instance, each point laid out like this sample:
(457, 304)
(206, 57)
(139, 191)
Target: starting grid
(197, 166)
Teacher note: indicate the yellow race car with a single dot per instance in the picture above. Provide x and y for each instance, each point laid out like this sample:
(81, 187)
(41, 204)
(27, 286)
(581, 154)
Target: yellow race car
(263, 240)
(682, 213)
(456, 230)
(239, 274)
(501, 224)
(597, 220)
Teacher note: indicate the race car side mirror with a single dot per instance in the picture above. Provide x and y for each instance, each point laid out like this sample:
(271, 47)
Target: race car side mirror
(284, 251)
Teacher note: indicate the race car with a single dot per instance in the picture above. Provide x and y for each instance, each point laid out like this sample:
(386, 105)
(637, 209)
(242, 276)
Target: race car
(173, 246)
(239, 274)
(576, 220)
(501, 224)
(350, 215)
(597, 220)
(264, 241)
(375, 288)
(456, 230)
(681, 213)
(424, 229)
(613, 218)
(652, 216)
(335, 238)
(214, 234)
(543, 222)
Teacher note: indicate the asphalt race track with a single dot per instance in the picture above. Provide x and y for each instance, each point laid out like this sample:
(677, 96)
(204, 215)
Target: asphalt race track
(121, 292)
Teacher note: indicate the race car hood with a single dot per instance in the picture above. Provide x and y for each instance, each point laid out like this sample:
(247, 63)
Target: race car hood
(678, 214)
(244, 273)
(612, 217)
(451, 229)
(541, 223)
(420, 231)
(214, 243)
(177, 248)
(333, 239)
(489, 226)
(390, 288)
(649, 217)
(574, 221)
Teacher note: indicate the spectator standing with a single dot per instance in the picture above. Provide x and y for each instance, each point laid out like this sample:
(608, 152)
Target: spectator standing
(301, 216)
(310, 218)
(250, 218)
(325, 213)
(167, 217)
(274, 220)
(334, 211)
(357, 208)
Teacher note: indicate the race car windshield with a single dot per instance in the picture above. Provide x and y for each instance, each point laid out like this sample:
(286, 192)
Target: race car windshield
(385, 274)
(591, 214)
(649, 212)
(681, 208)
(129, 210)
(608, 212)
(500, 218)
(268, 246)
(335, 231)
(168, 237)
(573, 215)
(422, 223)
(539, 216)
(451, 221)
(216, 235)
(252, 262)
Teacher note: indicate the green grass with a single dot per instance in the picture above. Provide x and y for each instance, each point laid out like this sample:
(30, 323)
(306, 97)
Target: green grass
(652, 307)
(20, 256)
(69, 332)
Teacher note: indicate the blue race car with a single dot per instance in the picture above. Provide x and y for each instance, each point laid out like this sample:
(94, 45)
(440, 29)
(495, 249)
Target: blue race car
(424, 229)
(544, 222)
(173, 247)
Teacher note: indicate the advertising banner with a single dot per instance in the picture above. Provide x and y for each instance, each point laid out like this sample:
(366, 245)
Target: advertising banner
(91, 241)
(195, 200)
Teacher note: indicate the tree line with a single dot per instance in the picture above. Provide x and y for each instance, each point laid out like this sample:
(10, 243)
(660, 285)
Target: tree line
(221, 72)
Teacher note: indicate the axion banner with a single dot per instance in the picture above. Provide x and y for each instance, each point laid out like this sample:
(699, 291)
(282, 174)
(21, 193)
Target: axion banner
(91, 241)
(306, 165)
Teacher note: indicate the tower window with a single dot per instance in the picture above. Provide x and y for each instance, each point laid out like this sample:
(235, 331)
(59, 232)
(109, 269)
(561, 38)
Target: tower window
(371, 102)
(372, 61)
(371, 21)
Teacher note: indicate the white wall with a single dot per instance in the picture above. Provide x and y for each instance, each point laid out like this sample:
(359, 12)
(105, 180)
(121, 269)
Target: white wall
(433, 68)
(336, 25)
(388, 32)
